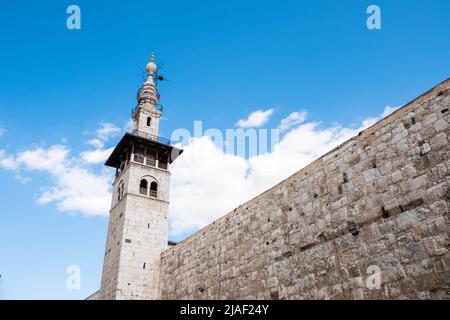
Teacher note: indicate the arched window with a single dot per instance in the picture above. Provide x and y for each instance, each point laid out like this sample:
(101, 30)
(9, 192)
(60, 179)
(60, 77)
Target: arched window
(149, 121)
(143, 187)
(154, 189)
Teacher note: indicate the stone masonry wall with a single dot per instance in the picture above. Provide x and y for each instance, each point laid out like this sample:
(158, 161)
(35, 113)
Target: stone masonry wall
(380, 200)
(137, 234)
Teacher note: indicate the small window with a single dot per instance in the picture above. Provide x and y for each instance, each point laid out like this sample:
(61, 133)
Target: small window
(143, 187)
(149, 121)
(154, 189)
(120, 191)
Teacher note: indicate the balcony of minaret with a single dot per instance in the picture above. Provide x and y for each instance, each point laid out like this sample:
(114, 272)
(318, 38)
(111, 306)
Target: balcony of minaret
(149, 152)
(151, 137)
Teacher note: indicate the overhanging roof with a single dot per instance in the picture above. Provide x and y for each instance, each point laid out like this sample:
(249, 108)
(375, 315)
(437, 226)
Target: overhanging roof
(114, 161)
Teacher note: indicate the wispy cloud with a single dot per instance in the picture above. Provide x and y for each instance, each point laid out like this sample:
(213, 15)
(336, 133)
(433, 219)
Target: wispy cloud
(77, 186)
(104, 134)
(256, 119)
(372, 120)
(295, 118)
(107, 131)
(7, 161)
(96, 156)
(95, 142)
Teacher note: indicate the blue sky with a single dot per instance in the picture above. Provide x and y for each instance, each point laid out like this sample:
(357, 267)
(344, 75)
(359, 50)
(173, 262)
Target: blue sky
(224, 60)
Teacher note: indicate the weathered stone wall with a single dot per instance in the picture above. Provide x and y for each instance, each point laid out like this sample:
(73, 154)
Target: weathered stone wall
(381, 199)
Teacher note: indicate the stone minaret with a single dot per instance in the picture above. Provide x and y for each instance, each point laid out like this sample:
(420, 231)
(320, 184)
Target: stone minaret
(138, 227)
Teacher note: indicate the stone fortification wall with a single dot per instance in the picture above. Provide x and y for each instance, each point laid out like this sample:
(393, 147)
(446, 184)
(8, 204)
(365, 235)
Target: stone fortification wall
(379, 202)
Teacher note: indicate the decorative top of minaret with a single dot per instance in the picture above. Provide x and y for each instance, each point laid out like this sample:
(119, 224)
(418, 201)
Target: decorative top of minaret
(148, 92)
(151, 66)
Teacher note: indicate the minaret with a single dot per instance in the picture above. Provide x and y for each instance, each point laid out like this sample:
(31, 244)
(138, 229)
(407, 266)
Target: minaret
(146, 116)
(138, 222)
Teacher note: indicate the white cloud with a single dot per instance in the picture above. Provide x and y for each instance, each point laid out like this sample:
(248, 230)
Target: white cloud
(2, 132)
(206, 187)
(255, 119)
(76, 185)
(200, 181)
(78, 189)
(95, 142)
(7, 161)
(292, 120)
(75, 188)
(102, 136)
(368, 122)
(206, 182)
(96, 156)
(107, 131)
(52, 159)
(372, 120)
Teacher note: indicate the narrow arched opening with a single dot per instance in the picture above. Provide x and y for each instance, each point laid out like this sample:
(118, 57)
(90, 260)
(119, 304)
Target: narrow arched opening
(154, 189)
(143, 187)
(120, 191)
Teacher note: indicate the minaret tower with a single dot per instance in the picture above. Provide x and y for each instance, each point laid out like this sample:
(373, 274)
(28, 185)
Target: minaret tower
(138, 222)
